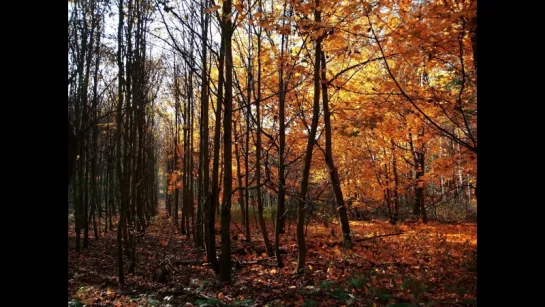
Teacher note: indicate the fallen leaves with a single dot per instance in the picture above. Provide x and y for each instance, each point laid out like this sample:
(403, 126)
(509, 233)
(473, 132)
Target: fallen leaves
(431, 255)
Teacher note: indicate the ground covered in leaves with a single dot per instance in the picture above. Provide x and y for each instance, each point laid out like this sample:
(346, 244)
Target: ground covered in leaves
(419, 265)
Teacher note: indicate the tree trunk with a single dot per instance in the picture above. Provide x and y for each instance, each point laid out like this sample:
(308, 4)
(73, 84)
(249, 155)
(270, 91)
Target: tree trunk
(225, 265)
(214, 201)
(473, 34)
(119, 123)
(262, 226)
(241, 194)
(175, 167)
(421, 189)
(190, 205)
(72, 151)
(280, 221)
(308, 153)
(419, 208)
(395, 217)
(333, 173)
(204, 137)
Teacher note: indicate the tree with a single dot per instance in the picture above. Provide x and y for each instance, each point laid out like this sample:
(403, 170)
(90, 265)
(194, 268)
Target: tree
(310, 144)
(226, 34)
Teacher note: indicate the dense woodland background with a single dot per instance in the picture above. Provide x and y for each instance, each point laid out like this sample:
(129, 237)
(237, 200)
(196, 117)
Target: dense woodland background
(280, 152)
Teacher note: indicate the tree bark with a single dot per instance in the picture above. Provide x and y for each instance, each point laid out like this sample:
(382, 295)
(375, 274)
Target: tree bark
(262, 226)
(308, 153)
(211, 249)
(227, 29)
(333, 173)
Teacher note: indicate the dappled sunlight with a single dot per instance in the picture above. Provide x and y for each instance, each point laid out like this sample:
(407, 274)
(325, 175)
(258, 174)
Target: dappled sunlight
(272, 153)
(435, 256)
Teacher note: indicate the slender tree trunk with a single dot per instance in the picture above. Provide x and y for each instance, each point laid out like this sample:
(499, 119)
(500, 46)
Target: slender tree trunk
(473, 35)
(72, 151)
(420, 188)
(94, 189)
(419, 172)
(280, 223)
(88, 45)
(177, 152)
(221, 180)
(247, 135)
(418, 208)
(132, 87)
(280, 207)
(262, 226)
(206, 202)
(188, 205)
(175, 167)
(396, 184)
(333, 173)
(86, 198)
(225, 265)
(308, 153)
(105, 187)
(119, 122)
(211, 244)
(241, 194)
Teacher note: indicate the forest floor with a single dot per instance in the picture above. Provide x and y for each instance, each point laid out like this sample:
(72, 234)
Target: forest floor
(426, 265)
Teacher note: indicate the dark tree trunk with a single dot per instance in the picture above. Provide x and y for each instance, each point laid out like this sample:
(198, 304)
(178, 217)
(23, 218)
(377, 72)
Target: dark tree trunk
(308, 153)
(241, 192)
(262, 226)
(395, 216)
(119, 122)
(214, 201)
(225, 265)
(72, 151)
(333, 173)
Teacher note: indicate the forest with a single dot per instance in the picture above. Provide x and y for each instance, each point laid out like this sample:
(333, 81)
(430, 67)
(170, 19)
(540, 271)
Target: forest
(272, 153)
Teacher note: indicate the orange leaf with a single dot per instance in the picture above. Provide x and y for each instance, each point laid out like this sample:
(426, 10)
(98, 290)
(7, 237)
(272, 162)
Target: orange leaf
(239, 7)
(212, 9)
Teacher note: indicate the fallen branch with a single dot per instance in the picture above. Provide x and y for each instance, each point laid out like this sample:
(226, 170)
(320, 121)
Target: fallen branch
(263, 262)
(374, 237)
(200, 251)
(189, 262)
(329, 244)
(183, 292)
